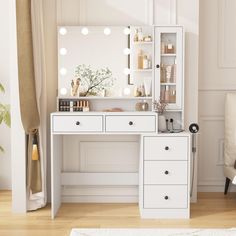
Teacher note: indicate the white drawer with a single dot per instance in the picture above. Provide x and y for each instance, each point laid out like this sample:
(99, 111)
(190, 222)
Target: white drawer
(156, 196)
(131, 123)
(77, 123)
(165, 172)
(165, 148)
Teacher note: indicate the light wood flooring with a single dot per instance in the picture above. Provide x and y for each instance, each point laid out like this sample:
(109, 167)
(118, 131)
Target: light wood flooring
(213, 210)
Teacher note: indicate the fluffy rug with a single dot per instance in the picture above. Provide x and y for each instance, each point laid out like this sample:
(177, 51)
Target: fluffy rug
(153, 232)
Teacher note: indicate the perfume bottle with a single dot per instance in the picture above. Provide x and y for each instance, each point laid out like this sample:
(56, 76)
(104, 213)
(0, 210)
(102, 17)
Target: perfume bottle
(140, 35)
(136, 35)
(145, 62)
(167, 94)
(140, 59)
(172, 96)
(141, 106)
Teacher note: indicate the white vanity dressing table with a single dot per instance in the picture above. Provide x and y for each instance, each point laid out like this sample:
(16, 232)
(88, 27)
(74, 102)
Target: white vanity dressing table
(164, 158)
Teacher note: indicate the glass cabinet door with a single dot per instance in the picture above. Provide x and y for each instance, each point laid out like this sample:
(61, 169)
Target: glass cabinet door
(169, 66)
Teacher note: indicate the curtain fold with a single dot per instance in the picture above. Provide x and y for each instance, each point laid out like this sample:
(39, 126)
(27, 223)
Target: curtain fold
(40, 199)
(30, 87)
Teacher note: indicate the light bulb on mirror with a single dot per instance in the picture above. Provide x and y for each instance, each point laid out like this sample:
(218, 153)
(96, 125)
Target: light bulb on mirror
(107, 31)
(84, 31)
(63, 91)
(63, 51)
(126, 31)
(63, 71)
(63, 31)
(126, 91)
(127, 51)
(126, 71)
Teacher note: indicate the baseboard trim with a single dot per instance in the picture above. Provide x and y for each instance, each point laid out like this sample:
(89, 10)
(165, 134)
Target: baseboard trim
(100, 199)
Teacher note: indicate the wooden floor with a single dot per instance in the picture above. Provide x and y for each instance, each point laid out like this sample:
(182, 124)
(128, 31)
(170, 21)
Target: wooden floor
(213, 210)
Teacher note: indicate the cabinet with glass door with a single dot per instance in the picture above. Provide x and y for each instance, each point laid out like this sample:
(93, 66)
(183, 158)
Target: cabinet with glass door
(169, 66)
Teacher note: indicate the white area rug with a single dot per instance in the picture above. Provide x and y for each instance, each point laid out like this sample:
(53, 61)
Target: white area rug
(153, 232)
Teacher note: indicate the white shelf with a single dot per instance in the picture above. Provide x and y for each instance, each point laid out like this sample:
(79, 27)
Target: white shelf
(107, 98)
(143, 43)
(142, 70)
(168, 54)
(173, 84)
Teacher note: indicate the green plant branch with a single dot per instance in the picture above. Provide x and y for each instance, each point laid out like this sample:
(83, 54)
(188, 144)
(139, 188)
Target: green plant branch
(2, 88)
(5, 116)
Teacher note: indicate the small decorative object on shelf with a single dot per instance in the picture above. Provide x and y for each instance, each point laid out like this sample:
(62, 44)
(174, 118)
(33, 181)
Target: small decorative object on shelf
(168, 73)
(141, 106)
(140, 91)
(140, 34)
(147, 86)
(75, 87)
(94, 82)
(147, 38)
(115, 109)
(136, 35)
(169, 48)
(160, 107)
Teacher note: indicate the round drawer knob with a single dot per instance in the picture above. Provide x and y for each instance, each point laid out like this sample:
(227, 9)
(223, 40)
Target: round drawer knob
(157, 66)
(77, 123)
(166, 148)
(131, 123)
(166, 172)
(166, 197)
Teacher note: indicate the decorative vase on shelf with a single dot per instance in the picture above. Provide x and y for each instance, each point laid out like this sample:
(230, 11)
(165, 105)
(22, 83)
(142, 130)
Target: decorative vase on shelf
(161, 123)
(160, 107)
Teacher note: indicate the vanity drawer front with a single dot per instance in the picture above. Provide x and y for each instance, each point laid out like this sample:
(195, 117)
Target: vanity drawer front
(165, 172)
(165, 148)
(131, 123)
(77, 124)
(171, 196)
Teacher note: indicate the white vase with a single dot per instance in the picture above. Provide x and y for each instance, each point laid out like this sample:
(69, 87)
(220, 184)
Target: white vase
(161, 123)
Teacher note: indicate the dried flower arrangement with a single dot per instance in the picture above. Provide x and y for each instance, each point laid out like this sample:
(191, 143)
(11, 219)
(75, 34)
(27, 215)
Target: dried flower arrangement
(94, 81)
(159, 106)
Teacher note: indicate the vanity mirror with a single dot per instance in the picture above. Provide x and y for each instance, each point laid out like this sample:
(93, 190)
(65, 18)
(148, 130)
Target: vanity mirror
(94, 57)
(124, 67)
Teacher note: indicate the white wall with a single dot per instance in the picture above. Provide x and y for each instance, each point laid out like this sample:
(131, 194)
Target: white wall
(5, 158)
(217, 68)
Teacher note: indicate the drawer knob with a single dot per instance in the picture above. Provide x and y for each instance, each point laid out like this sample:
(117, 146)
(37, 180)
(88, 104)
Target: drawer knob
(131, 123)
(166, 148)
(166, 197)
(77, 123)
(166, 172)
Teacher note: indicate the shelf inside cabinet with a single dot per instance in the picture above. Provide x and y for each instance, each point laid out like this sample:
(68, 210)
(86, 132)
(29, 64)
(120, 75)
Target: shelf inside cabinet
(106, 98)
(168, 54)
(142, 70)
(171, 84)
(143, 43)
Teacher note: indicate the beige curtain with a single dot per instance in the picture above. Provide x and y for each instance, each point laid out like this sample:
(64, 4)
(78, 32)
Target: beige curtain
(40, 199)
(29, 105)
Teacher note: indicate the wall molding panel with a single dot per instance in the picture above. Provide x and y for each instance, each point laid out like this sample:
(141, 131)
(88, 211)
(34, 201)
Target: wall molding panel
(220, 161)
(165, 12)
(211, 153)
(226, 37)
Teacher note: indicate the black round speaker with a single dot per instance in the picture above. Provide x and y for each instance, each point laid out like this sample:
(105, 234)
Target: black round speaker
(194, 128)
